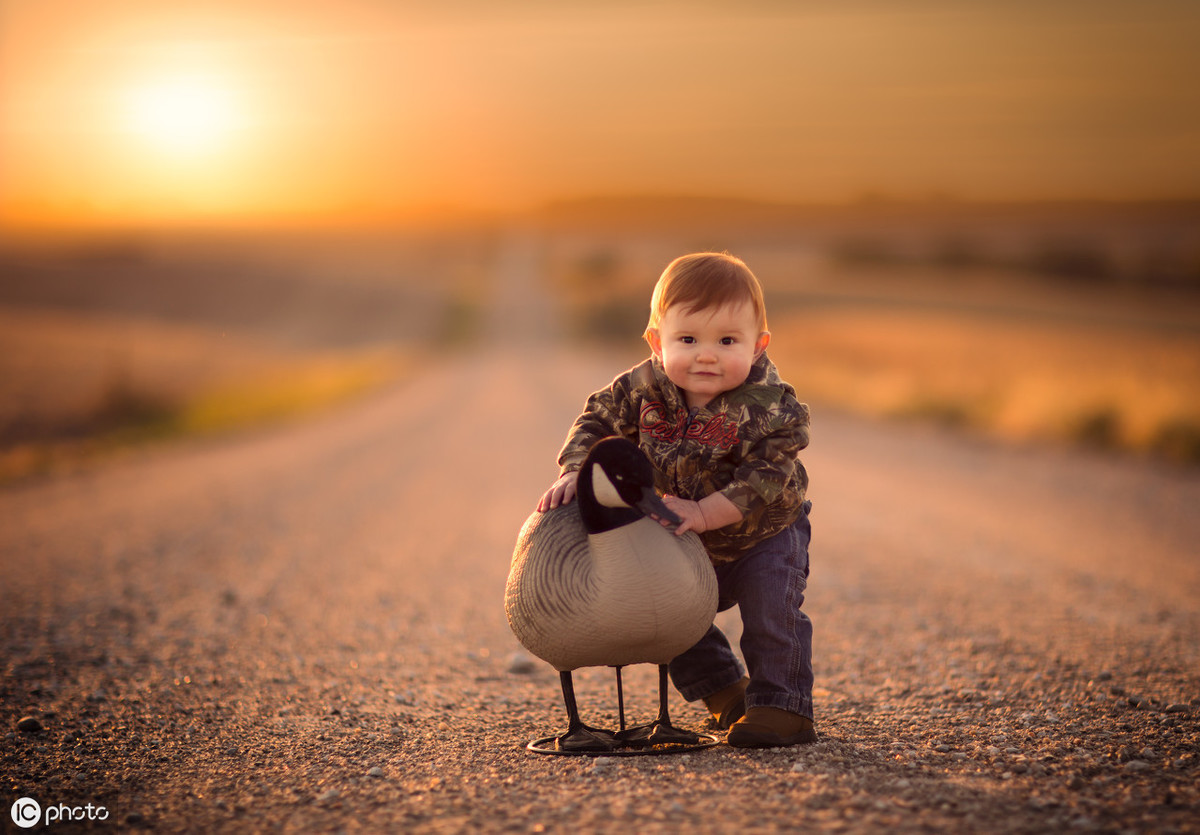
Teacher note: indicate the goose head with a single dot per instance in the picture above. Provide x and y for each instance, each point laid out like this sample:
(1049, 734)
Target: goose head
(616, 487)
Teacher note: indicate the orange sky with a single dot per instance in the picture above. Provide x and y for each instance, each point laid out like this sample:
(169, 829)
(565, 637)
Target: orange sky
(142, 110)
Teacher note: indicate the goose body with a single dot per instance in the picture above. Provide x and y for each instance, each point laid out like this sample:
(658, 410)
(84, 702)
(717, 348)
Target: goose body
(637, 594)
(596, 582)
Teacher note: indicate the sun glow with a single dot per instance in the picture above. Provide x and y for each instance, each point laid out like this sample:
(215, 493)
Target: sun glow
(139, 109)
(183, 115)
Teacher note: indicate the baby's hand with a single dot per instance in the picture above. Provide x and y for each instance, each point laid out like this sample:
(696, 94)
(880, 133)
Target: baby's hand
(690, 512)
(561, 492)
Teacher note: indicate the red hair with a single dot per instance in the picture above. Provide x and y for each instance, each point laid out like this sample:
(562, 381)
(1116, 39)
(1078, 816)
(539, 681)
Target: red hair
(705, 280)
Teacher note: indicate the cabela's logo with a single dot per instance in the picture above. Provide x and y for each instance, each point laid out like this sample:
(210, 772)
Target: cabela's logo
(718, 430)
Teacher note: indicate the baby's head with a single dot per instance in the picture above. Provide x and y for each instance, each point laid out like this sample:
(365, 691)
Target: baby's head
(703, 281)
(708, 324)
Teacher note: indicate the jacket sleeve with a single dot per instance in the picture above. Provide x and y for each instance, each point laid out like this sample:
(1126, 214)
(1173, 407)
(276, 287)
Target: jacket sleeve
(768, 467)
(610, 411)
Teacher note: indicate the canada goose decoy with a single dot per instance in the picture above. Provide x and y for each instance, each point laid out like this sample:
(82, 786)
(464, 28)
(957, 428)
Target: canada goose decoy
(596, 582)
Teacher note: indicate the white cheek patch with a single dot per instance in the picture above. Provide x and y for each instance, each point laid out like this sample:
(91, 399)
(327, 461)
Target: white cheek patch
(604, 490)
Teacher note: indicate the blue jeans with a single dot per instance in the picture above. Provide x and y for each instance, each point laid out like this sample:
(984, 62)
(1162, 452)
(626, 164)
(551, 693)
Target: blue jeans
(767, 583)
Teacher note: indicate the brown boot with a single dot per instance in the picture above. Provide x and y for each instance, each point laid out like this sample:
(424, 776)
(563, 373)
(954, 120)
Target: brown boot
(770, 727)
(728, 704)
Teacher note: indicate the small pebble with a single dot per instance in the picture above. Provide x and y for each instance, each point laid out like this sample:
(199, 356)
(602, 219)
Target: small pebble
(327, 795)
(603, 764)
(375, 772)
(29, 725)
(521, 664)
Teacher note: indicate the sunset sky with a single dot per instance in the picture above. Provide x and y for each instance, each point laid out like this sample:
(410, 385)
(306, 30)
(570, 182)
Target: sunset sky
(116, 111)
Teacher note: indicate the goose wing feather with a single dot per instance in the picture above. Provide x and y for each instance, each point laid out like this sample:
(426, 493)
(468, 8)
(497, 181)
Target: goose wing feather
(551, 586)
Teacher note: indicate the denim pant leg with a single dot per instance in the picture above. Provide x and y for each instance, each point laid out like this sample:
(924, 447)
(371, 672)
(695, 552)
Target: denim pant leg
(768, 584)
(708, 666)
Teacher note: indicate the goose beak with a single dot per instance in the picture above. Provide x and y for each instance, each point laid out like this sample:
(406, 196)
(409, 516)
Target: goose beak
(651, 505)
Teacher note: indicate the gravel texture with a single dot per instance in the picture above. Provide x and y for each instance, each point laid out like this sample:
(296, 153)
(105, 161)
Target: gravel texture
(303, 630)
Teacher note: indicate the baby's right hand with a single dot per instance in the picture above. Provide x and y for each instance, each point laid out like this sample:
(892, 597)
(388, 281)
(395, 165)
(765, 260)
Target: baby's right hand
(561, 492)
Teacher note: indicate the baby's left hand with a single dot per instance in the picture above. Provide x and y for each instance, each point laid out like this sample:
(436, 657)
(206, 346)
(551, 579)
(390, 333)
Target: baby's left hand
(689, 511)
(712, 512)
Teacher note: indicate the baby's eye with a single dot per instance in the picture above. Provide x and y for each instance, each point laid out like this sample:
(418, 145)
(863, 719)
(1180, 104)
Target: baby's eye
(687, 340)
(727, 340)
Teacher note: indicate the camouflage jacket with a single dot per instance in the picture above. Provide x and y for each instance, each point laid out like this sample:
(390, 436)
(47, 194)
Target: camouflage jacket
(744, 443)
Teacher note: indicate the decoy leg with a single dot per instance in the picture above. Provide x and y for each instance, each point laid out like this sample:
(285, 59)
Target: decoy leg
(579, 737)
(620, 700)
(660, 731)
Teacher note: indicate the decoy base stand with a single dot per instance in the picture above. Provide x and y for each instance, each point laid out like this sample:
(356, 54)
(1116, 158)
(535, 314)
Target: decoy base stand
(657, 737)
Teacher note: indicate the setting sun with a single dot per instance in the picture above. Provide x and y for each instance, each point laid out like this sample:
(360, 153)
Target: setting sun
(182, 115)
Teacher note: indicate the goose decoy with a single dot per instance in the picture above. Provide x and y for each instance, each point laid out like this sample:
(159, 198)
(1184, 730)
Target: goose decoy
(597, 582)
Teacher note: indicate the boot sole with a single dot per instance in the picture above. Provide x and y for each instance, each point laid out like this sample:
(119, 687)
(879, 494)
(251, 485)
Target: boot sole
(742, 736)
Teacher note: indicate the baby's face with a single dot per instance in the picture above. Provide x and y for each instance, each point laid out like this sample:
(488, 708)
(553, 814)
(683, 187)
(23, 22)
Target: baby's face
(707, 352)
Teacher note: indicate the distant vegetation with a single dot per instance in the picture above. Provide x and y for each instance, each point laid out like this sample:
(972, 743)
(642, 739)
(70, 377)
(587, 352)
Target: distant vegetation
(1011, 377)
(126, 412)
(1082, 259)
(1148, 243)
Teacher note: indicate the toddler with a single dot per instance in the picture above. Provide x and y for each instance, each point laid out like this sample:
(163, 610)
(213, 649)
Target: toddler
(723, 432)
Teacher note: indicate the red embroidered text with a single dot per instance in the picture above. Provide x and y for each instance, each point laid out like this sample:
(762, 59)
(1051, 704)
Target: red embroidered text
(718, 431)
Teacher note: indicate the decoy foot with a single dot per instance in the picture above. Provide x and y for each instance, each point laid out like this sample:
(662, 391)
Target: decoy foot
(658, 733)
(584, 739)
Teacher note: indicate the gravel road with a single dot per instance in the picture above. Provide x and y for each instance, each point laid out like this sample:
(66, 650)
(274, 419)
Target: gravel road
(303, 629)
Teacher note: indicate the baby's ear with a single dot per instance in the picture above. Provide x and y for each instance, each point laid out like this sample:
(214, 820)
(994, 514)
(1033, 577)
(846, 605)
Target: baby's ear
(764, 339)
(654, 339)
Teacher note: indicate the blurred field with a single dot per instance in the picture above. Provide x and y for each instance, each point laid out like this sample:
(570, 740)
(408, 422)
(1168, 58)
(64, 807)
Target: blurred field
(76, 385)
(975, 323)
(107, 346)
(1015, 379)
